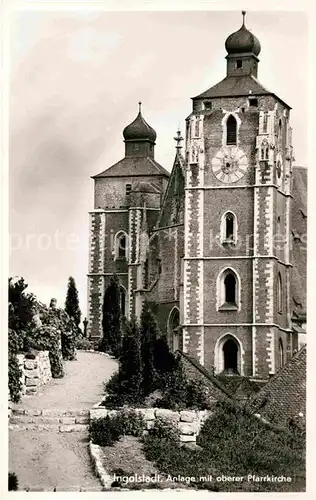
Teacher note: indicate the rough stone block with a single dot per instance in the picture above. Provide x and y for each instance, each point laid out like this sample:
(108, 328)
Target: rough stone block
(76, 413)
(33, 412)
(30, 391)
(67, 420)
(73, 428)
(96, 413)
(20, 419)
(150, 424)
(82, 420)
(19, 411)
(188, 416)
(185, 438)
(148, 413)
(187, 428)
(31, 382)
(32, 374)
(48, 420)
(30, 364)
(169, 414)
(53, 412)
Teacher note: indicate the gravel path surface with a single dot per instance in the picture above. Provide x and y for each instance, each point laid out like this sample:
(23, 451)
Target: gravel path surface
(48, 459)
(80, 388)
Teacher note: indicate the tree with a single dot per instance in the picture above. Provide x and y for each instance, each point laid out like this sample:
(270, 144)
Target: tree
(130, 367)
(72, 302)
(149, 334)
(22, 305)
(111, 320)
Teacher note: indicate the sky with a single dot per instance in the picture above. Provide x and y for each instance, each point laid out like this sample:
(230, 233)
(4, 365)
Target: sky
(76, 79)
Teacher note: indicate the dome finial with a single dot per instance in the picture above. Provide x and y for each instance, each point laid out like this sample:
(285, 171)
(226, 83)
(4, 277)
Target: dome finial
(243, 17)
(140, 106)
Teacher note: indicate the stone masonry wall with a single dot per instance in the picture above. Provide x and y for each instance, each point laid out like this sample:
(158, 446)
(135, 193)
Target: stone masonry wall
(189, 422)
(35, 372)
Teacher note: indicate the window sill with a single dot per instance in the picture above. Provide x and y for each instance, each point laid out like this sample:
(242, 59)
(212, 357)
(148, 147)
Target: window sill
(229, 242)
(122, 259)
(228, 306)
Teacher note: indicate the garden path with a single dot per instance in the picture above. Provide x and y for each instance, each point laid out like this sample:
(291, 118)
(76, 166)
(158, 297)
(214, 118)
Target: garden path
(48, 459)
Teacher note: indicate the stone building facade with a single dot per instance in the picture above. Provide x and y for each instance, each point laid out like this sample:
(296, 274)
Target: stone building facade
(210, 246)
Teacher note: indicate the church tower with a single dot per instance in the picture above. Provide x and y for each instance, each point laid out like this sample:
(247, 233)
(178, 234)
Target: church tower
(127, 202)
(237, 259)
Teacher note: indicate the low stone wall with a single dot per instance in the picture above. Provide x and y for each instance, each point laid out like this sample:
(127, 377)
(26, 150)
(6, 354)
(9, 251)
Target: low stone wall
(35, 372)
(189, 422)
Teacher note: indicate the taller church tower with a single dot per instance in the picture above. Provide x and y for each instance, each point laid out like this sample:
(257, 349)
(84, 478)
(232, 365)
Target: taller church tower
(237, 260)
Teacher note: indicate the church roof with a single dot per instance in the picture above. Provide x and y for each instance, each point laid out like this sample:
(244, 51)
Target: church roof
(133, 167)
(299, 233)
(238, 86)
(284, 395)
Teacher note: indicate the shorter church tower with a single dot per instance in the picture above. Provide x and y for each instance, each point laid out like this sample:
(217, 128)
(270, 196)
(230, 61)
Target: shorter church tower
(127, 200)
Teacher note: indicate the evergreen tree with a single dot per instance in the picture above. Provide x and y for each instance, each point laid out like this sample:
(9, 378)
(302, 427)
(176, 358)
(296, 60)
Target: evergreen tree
(72, 302)
(149, 334)
(164, 359)
(130, 366)
(111, 321)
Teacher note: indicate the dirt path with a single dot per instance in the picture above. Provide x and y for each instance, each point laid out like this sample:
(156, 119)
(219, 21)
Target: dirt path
(49, 459)
(81, 387)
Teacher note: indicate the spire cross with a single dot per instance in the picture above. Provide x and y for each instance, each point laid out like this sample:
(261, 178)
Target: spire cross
(243, 17)
(178, 140)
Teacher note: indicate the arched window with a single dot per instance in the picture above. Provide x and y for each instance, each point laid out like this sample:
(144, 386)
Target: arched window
(228, 355)
(279, 293)
(123, 300)
(281, 353)
(265, 123)
(228, 290)
(174, 330)
(229, 228)
(121, 245)
(230, 352)
(231, 130)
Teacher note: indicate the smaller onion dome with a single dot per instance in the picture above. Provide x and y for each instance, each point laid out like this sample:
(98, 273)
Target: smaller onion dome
(243, 41)
(139, 130)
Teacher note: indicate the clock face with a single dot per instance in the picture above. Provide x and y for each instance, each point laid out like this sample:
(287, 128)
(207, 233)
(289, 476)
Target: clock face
(229, 164)
(279, 169)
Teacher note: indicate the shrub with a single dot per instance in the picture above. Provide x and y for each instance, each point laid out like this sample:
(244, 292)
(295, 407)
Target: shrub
(242, 443)
(15, 374)
(197, 395)
(104, 431)
(111, 319)
(175, 388)
(124, 387)
(107, 430)
(164, 428)
(46, 338)
(83, 343)
(72, 302)
(129, 423)
(148, 336)
(13, 483)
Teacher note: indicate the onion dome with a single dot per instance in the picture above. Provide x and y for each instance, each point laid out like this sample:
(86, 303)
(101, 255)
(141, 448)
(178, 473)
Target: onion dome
(139, 130)
(242, 41)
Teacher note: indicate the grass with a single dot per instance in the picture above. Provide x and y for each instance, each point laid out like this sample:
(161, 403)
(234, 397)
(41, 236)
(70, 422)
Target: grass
(126, 458)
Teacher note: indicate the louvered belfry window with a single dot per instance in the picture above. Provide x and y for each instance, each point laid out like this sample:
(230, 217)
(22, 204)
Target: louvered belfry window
(231, 129)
